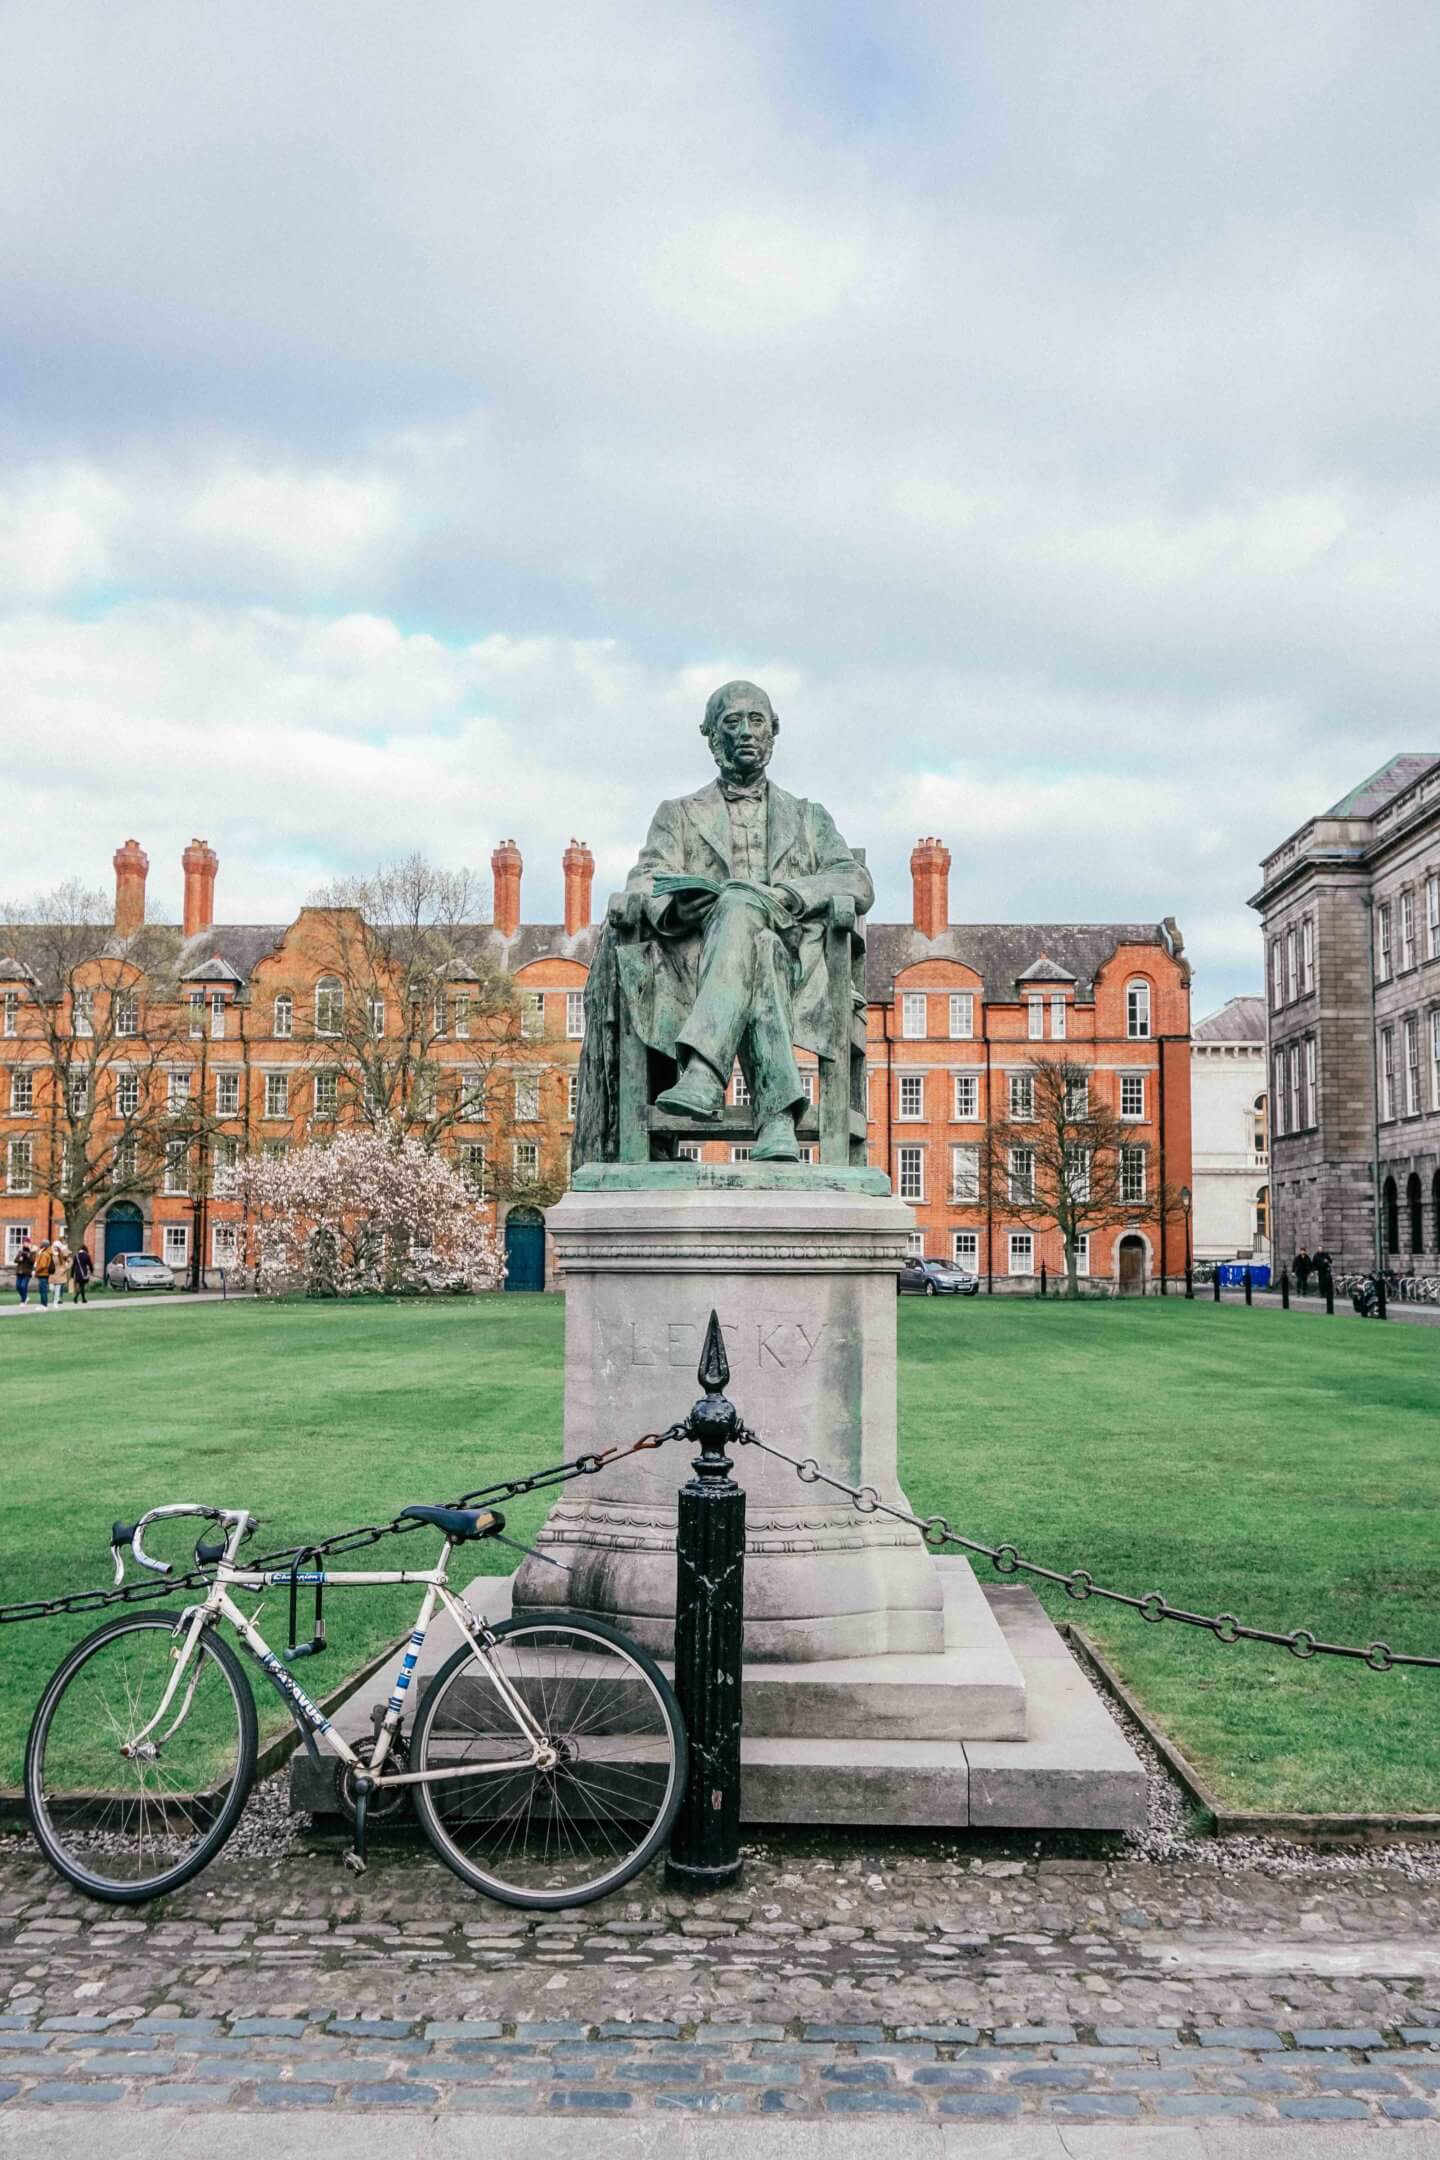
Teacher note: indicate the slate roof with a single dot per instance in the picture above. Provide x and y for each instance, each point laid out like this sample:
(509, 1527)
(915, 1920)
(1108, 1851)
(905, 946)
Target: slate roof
(1045, 970)
(1001, 953)
(1394, 776)
(1240, 1019)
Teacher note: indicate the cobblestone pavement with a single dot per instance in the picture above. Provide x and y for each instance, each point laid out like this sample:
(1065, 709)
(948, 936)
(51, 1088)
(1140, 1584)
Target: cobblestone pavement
(925, 1979)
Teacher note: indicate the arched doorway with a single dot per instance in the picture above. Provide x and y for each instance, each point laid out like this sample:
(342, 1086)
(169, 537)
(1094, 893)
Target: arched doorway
(524, 1249)
(124, 1231)
(1415, 1209)
(1132, 1266)
(1391, 1198)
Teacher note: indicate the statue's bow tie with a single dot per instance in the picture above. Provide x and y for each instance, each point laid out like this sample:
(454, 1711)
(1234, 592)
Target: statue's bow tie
(736, 791)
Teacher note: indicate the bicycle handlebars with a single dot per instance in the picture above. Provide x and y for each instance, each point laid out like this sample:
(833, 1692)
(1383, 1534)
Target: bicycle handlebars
(240, 1524)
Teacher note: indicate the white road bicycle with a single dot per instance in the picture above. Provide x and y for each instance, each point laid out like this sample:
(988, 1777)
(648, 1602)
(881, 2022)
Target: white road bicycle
(546, 1762)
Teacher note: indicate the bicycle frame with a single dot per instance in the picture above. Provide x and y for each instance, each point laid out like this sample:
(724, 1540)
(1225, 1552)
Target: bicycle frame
(220, 1605)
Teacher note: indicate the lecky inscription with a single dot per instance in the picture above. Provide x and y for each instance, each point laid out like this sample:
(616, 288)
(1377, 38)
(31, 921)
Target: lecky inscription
(766, 1344)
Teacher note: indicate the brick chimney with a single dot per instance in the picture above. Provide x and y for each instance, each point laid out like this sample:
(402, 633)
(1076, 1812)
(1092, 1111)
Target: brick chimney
(200, 864)
(507, 864)
(131, 864)
(579, 876)
(930, 870)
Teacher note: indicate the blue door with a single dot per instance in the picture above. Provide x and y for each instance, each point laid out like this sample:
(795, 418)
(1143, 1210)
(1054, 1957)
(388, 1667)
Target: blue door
(524, 1249)
(124, 1231)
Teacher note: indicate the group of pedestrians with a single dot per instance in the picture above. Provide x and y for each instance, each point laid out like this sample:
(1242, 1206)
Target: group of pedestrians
(1307, 1264)
(51, 1268)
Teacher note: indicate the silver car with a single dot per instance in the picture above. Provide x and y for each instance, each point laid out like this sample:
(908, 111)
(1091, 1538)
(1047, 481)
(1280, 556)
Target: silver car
(139, 1271)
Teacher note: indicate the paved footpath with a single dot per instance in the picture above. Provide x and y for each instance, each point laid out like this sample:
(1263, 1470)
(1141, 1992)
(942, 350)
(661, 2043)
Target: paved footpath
(1045, 2001)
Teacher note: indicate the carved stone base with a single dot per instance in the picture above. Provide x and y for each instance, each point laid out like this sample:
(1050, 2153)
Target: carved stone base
(804, 1284)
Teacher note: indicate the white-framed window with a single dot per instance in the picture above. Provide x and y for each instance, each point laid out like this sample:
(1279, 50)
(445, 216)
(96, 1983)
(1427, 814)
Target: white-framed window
(177, 1166)
(1383, 954)
(327, 1094)
(965, 1250)
(1132, 1174)
(460, 1015)
(127, 1094)
(1077, 1172)
(1292, 965)
(374, 1017)
(176, 1244)
(472, 1164)
(739, 1091)
(525, 1156)
(1297, 1115)
(1312, 1093)
(914, 1017)
(217, 1016)
(1035, 1017)
(329, 1005)
(177, 1090)
(274, 1150)
(82, 1011)
(1277, 1094)
(12, 1012)
(1387, 1072)
(1077, 1101)
(807, 1154)
(1132, 1097)
(1137, 1009)
(572, 1096)
(78, 1092)
(688, 1151)
(1022, 1252)
(1082, 1253)
(914, 1244)
(16, 1235)
(1277, 975)
(1307, 954)
(197, 1014)
(1412, 1065)
(532, 1014)
(472, 1097)
(965, 1099)
(1057, 1017)
(227, 1094)
(1435, 1060)
(1407, 928)
(964, 1172)
(227, 1152)
(911, 1172)
(527, 1098)
(1432, 917)
(962, 1015)
(807, 1083)
(1022, 1097)
(1021, 1187)
(741, 1152)
(224, 1244)
(574, 1015)
(124, 1012)
(22, 1092)
(277, 1094)
(284, 1017)
(123, 1162)
(19, 1166)
(912, 1097)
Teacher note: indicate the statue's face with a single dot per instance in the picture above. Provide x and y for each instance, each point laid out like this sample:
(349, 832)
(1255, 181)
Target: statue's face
(743, 738)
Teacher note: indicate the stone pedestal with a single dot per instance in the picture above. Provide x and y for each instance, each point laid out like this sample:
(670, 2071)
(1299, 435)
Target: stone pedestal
(803, 1280)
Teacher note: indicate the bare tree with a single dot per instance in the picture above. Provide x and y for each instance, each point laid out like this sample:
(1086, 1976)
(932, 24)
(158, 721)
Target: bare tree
(412, 1015)
(96, 1021)
(1060, 1160)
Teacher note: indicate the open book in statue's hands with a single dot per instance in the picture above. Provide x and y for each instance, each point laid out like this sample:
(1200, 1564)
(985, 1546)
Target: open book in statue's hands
(691, 885)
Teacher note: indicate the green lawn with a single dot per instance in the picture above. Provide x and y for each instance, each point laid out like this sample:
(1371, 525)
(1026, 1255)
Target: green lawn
(1272, 1465)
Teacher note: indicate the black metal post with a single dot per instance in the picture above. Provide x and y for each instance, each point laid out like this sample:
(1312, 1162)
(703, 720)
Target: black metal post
(1215, 1283)
(1328, 1286)
(709, 1636)
(1285, 1289)
(1042, 1278)
(1249, 1287)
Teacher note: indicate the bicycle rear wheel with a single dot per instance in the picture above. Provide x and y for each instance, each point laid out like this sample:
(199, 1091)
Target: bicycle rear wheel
(562, 1835)
(129, 1827)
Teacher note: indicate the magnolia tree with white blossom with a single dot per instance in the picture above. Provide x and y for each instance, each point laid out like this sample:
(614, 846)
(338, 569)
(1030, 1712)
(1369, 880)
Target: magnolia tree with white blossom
(369, 1210)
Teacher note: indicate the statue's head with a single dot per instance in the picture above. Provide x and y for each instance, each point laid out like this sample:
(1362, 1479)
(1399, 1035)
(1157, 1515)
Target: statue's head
(740, 726)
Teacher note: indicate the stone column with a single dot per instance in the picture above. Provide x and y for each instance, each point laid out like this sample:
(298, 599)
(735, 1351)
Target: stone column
(803, 1280)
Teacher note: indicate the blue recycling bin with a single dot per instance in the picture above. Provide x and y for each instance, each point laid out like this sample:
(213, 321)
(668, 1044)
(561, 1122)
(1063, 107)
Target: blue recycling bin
(1232, 1274)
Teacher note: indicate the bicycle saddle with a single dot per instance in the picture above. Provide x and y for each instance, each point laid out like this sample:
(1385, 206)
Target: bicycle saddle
(460, 1524)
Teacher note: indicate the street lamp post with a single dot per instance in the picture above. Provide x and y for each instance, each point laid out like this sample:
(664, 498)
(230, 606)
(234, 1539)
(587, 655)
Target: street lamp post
(1186, 1198)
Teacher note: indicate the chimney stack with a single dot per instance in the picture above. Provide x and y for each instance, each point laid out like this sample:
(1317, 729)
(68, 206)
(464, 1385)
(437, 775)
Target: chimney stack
(506, 863)
(579, 876)
(200, 864)
(131, 864)
(930, 870)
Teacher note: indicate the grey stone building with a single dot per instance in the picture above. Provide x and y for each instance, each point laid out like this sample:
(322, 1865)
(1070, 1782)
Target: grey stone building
(1351, 911)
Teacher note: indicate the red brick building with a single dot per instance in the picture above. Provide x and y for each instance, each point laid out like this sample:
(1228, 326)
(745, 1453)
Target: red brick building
(244, 1048)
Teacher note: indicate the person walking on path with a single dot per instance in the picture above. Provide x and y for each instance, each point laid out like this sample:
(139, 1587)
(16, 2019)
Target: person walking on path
(24, 1271)
(82, 1267)
(1303, 1265)
(44, 1269)
(60, 1273)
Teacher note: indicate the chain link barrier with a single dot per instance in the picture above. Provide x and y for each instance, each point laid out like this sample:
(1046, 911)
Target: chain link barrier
(1079, 1583)
(341, 1541)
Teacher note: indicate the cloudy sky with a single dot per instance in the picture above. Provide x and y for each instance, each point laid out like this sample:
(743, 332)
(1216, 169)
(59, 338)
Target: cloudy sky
(407, 414)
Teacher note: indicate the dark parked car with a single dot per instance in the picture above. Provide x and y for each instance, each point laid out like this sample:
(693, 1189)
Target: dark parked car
(139, 1271)
(935, 1278)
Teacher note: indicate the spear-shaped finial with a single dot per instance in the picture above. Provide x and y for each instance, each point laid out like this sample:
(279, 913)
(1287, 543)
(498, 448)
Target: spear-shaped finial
(713, 1371)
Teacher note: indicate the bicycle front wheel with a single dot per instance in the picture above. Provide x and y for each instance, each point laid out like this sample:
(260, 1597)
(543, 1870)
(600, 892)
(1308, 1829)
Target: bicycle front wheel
(601, 1805)
(125, 1813)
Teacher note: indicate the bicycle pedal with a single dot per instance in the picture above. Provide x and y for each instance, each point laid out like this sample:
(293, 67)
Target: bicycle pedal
(356, 1865)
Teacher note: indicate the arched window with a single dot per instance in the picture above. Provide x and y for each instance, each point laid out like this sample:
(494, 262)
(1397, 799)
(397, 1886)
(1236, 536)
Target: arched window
(1262, 1216)
(1435, 1207)
(329, 1005)
(1415, 1209)
(1137, 1008)
(1260, 1124)
(284, 1014)
(1391, 1200)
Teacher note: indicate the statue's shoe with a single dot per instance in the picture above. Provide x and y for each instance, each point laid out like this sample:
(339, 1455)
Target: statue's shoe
(776, 1141)
(697, 1093)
